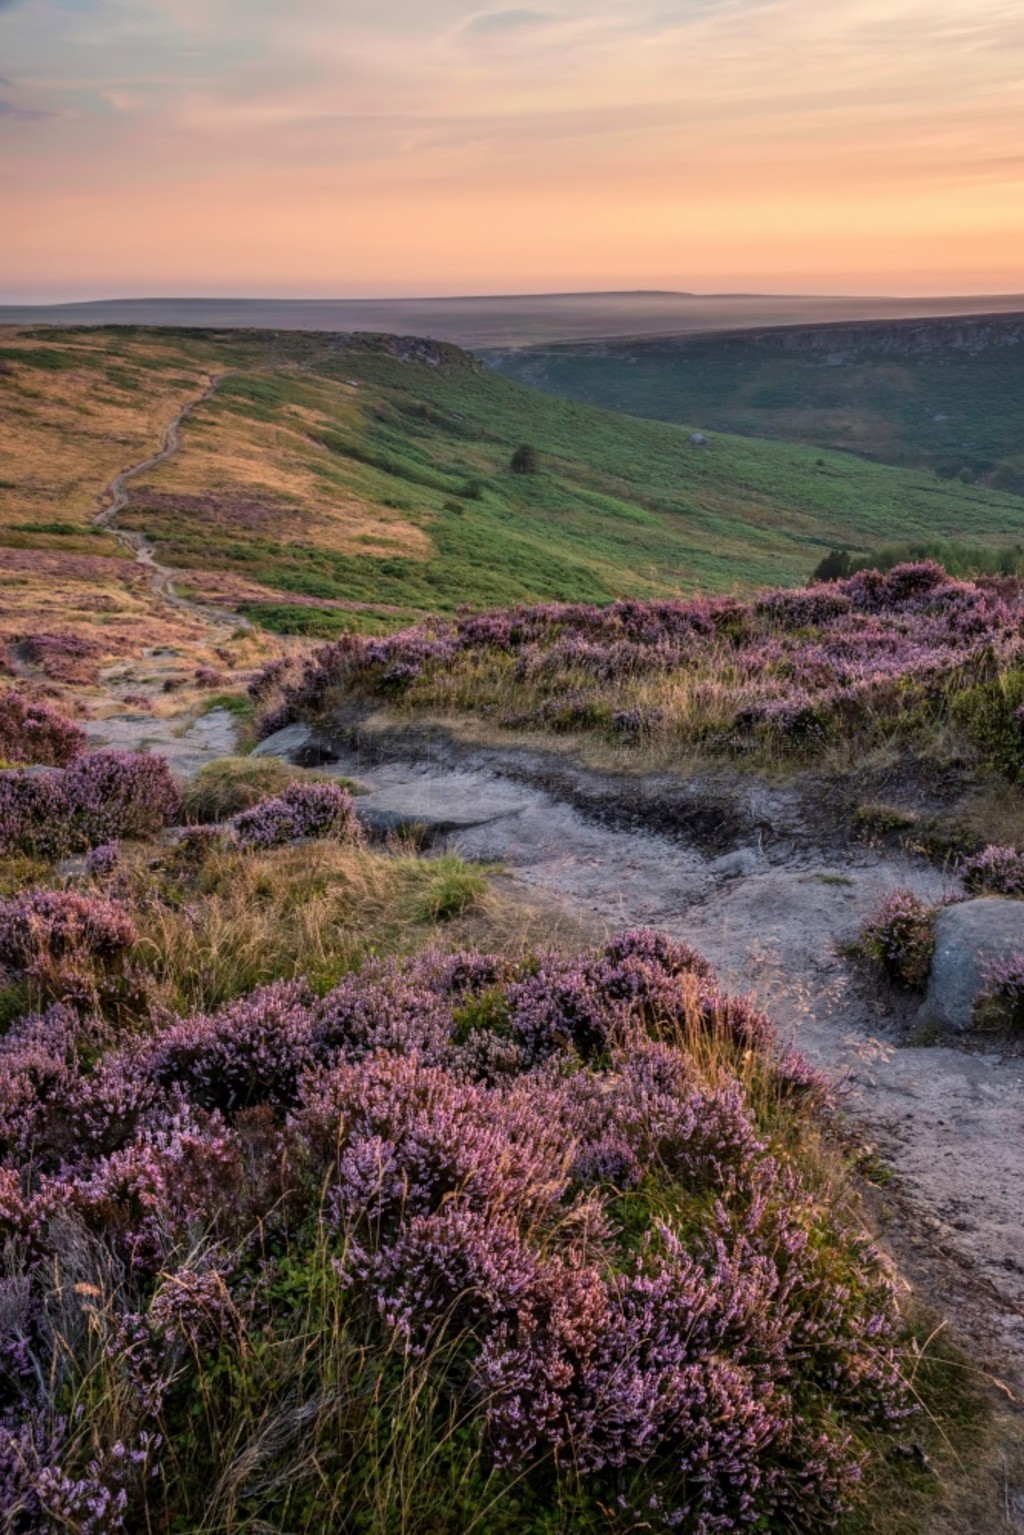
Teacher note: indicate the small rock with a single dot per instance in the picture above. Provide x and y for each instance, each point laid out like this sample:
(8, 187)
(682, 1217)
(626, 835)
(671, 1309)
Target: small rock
(292, 738)
(969, 938)
(698, 439)
(739, 864)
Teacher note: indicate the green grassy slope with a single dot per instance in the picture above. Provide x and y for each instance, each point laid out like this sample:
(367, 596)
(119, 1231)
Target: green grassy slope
(355, 482)
(947, 395)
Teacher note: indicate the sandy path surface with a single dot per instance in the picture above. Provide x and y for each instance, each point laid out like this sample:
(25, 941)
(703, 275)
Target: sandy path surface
(116, 497)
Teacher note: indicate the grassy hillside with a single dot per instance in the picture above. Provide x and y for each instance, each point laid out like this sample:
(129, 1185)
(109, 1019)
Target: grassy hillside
(942, 394)
(356, 482)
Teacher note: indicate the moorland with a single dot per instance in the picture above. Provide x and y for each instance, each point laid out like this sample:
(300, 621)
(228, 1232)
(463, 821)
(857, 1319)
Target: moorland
(447, 855)
(939, 393)
(500, 320)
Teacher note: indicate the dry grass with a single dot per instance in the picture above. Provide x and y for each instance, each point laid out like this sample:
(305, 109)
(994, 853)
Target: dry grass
(282, 467)
(315, 911)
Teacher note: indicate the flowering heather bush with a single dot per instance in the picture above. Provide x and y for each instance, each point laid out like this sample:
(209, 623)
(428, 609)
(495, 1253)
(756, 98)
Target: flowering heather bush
(69, 947)
(103, 860)
(995, 871)
(596, 1253)
(302, 810)
(900, 938)
(101, 797)
(65, 657)
(788, 671)
(32, 731)
(1002, 997)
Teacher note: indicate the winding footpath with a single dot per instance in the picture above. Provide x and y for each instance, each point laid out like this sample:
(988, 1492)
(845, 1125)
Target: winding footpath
(116, 498)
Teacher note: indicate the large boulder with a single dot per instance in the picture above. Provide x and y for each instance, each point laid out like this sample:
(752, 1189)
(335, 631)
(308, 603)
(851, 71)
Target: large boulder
(969, 937)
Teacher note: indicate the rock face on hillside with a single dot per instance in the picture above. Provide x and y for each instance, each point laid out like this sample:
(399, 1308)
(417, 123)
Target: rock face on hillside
(969, 937)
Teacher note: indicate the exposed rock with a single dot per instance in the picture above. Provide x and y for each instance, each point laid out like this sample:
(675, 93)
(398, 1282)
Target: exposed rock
(739, 864)
(698, 439)
(438, 805)
(292, 738)
(969, 937)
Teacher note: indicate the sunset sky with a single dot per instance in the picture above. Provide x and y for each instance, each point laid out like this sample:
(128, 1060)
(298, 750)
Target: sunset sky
(360, 147)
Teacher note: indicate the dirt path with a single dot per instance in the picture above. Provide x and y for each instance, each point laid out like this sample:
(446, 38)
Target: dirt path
(739, 870)
(116, 497)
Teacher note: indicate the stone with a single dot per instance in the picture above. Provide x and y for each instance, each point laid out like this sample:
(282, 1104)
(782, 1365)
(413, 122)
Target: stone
(969, 938)
(292, 738)
(436, 806)
(741, 863)
(698, 439)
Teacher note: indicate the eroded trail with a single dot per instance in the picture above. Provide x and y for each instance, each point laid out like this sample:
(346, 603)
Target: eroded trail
(116, 497)
(743, 876)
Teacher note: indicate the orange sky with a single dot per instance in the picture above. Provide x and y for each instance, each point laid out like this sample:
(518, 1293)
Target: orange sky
(356, 147)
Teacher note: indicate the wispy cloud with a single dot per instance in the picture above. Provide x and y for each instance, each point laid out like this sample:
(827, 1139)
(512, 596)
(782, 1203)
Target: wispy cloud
(489, 23)
(632, 140)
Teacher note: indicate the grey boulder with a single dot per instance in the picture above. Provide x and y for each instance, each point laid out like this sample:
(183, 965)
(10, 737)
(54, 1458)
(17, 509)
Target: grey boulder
(969, 938)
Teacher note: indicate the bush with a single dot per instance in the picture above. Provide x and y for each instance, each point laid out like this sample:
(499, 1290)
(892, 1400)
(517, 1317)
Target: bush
(1002, 997)
(32, 731)
(100, 798)
(995, 871)
(570, 1266)
(303, 810)
(525, 460)
(69, 947)
(900, 938)
(230, 785)
(836, 566)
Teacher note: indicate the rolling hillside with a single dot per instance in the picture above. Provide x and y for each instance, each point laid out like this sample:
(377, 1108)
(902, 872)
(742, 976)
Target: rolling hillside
(334, 482)
(943, 394)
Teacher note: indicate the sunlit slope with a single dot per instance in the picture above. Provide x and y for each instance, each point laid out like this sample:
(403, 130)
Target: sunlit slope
(336, 482)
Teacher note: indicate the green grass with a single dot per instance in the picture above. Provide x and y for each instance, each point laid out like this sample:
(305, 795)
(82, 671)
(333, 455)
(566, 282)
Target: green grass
(953, 411)
(619, 507)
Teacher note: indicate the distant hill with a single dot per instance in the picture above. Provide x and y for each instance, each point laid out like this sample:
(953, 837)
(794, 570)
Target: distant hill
(352, 481)
(941, 393)
(504, 320)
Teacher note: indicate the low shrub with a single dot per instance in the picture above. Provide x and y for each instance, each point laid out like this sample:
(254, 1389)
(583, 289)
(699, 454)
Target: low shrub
(67, 946)
(230, 785)
(1001, 1001)
(351, 1262)
(994, 871)
(101, 797)
(900, 938)
(302, 810)
(32, 731)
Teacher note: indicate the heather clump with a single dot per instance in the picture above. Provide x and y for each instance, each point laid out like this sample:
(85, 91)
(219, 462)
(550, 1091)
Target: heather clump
(302, 810)
(1001, 1001)
(101, 797)
(33, 731)
(791, 673)
(66, 946)
(900, 938)
(597, 1259)
(65, 656)
(994, 871)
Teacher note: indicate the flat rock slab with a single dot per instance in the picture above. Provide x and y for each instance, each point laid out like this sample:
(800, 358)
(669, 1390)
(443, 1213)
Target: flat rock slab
(187, 745)
(969, 938)
(452, 803)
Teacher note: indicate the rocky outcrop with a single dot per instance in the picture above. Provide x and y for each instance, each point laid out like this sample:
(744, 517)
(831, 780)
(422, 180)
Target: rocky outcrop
(969, 938)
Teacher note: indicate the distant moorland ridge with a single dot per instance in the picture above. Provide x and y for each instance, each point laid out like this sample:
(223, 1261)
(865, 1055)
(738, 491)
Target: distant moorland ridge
(511, 319)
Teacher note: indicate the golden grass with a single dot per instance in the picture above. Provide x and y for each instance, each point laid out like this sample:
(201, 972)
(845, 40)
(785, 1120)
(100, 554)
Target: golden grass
(287, 471)
(315, 910)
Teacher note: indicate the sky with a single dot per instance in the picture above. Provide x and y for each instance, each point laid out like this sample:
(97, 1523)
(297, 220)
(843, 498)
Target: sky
(356, 148)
